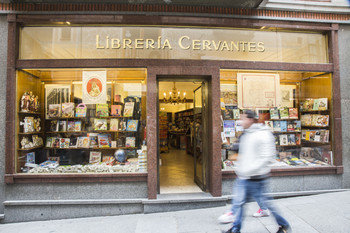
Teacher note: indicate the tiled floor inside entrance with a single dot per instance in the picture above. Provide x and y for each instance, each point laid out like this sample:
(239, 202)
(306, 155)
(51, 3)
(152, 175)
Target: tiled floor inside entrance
(176, 173)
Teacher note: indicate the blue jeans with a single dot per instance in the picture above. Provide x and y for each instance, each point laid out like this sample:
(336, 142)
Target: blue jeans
(256, 189)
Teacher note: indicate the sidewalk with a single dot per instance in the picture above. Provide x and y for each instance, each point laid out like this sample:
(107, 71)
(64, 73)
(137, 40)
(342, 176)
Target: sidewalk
(319, 213)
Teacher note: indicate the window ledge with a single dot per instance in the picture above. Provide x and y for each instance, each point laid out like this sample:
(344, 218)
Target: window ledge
(294, 171)
(75, 178)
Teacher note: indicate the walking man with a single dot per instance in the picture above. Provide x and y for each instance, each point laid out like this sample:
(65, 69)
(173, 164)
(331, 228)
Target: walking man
(257, 150)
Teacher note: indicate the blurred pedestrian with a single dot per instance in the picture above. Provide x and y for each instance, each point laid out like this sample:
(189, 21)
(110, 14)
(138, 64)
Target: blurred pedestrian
(257, 150)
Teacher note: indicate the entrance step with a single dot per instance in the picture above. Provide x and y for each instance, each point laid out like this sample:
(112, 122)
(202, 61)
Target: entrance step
(182, 201)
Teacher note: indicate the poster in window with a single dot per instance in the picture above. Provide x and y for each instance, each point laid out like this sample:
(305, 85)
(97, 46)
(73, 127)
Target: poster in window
(94, 87)
(287, 95)
(258, 90)
(56, 95)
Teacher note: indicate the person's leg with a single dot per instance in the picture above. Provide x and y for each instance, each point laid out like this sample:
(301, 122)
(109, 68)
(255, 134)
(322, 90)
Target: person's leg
(240, 200)
(259, 191)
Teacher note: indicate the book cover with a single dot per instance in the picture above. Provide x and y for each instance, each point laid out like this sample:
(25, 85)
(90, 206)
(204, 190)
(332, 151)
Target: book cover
(30, 158)
(298, 139)
(317, 137)
(117, 98)
(102, 110)
(284, 113)
(297, 126)
(120, 142)
(103, 140)
(283, 125)
(316, 105)
(305, 152)
(48, 141)
(236, 114)
(228, 113)
(327, 157)
(274, 114)
(277, 126)
(312, 134)
(306, 120)
(100, 124)
(28, 126)
(116, 110)
(283, 139)
(93, 139)
(77, 126)
(83, 142)
(314, 119)
(293, 113)
(291, 139)
(322, 120)
(95, 157)
(132, 125)
(323, 104)
(80, 110)
(269, 124)
(290, 126)
(54, 126)
(303, 134)
(307, 135)
(71, 126)
(307, 105)
(114, 125)
(130, 142)
(67, 109)
(229, 128)
(54, 110)
(64, 143)
(326, 136)
(73, 142)
(129, 109)
(108, 159)
(62, 126)
(113, 144)
(122, 125)
(276, 139)
(56, 142)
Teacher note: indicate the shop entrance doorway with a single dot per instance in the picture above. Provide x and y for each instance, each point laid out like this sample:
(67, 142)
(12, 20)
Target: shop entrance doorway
(182, 135)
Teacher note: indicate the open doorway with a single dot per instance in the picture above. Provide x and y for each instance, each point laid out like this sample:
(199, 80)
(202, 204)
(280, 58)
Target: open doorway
(182, 136)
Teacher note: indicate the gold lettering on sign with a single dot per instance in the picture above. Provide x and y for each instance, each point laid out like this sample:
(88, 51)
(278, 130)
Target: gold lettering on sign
(216, 46)
(166, 44)
(225, 45)
(138, 43)
(115, 43)
(127, 43)
(196, 44)
(98, 46)
(206, 44)
(180, 42)
(261, 47)
(149, 43)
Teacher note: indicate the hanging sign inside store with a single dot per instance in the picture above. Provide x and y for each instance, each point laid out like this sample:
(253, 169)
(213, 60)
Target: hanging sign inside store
(94, 87)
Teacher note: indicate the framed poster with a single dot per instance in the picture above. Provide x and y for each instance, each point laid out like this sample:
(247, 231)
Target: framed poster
(258, 90)
(287, 95)
(56, 94)
(94, 87)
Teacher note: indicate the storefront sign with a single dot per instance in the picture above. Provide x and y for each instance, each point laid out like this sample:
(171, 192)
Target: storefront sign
(171, 43)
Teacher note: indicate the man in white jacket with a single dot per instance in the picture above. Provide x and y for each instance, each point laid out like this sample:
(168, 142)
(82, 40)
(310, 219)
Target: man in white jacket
(257, 150)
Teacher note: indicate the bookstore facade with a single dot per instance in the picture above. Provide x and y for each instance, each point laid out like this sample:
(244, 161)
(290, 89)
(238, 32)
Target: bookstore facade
(86, 97)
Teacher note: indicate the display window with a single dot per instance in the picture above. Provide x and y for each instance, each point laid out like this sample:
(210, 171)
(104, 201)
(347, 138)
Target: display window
(295, 106)
(81, 121)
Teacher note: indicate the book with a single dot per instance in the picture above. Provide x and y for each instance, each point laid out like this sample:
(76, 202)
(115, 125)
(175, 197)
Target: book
(73, 142)
(293, 113)
(283, 125)
(269, 124)
(48, 142)
(307, 135)
(277, 126)
(322, 120)
(83, 142)
(132, 125)
(102, 110)
(77, 126)
(297, 126)
(130, 142)
(298, 139)
(114, 125)
(228, 113)
(113, 144)
(95, 157)
(122, 124)
(316, 104)
(93, 139)
(62, 126)
(64, 142)
(306, 120)
(303, 134)
(120, 142)
(71, 126)
(100, 124)
(108, 159)
(54, 126)
(80, 110)
(274, 114)
(117, 98)
(317, 137)
(323, 104)
(276, 139)
(326, 136)
(307, 105)
(129, 109)
(54, 110)
(283, 139)
(312, 134)
(103, 140)
(116, 110)
(55, 142)
(30, 158)
(291, 139)
(327, 157)
(229, 128)
(236, 114)
(290, 126)
(67, 110)
(284, 113)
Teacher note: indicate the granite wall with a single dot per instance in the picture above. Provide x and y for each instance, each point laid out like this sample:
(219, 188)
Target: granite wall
(3, 66)
(344, 60)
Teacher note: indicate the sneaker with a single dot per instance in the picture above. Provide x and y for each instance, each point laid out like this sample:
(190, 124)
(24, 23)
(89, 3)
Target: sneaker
(284, 229)
(226, 218)
(261, 213)
(230, 231)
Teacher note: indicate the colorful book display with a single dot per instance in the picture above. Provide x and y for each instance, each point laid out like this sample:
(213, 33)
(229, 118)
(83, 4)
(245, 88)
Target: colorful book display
(102, 110)
(67, 109)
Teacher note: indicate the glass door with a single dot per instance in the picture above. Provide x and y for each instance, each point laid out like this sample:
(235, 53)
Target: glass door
(200, 135)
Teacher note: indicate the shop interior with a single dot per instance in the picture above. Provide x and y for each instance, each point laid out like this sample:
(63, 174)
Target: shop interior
(179, 136)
